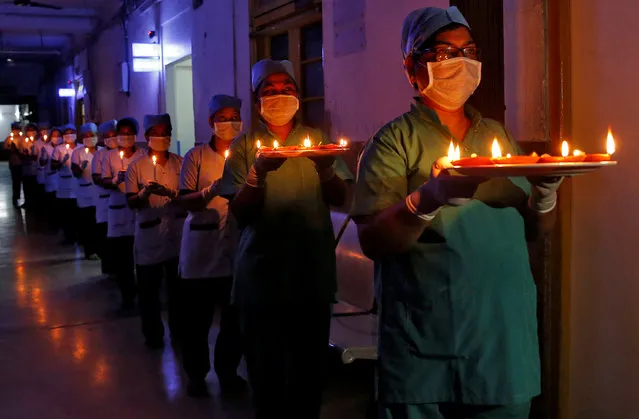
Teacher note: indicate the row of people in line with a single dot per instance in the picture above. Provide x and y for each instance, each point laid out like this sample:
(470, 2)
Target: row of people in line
(457, 326)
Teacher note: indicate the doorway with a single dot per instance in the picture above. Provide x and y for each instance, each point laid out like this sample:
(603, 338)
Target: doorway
(179, 104)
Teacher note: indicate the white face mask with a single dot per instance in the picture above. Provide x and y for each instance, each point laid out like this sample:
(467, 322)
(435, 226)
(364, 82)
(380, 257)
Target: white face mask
(90, 141)
(452, 82)
(111, 142)
(279, 110)
(159, 143)
(126, 141)
(69, 138)
(227, 130)
(56, 140)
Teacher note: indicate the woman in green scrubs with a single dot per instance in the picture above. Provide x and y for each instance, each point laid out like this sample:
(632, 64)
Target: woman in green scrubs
(458, 326)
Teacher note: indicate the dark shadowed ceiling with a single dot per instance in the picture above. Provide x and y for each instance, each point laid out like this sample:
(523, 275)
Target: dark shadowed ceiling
(39, 30)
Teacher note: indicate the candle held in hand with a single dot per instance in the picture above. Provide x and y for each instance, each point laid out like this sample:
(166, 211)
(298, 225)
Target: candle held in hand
(155, 161)
(122, 159)
(226, 154)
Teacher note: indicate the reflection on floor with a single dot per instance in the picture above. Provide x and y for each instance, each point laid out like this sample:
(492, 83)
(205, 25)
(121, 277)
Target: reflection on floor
(66, 353)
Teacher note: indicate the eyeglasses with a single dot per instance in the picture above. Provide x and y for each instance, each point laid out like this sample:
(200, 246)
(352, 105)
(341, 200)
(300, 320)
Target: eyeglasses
(447, 53)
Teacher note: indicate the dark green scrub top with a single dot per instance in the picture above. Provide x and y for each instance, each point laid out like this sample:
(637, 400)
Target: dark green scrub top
(287, 254)
(458, 310)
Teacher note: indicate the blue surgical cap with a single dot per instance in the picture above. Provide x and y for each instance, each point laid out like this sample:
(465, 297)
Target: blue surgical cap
(152, 120)
(68, 127)
(421, 24)
(224, 101)
(16, 125)
(88, 127)
(108, 126)
(264, 68)
(130, 122)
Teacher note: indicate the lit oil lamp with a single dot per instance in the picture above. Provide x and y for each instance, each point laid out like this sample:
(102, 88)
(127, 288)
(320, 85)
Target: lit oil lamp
(275, 144)
(343, 143)
(565, 156)
(510, 159)
(307, 142)
(610, 150)
(454, 155)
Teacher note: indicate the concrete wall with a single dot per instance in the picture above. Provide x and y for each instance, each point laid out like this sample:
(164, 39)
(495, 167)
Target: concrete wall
(363, 69)
(604, 369)
(216, 35)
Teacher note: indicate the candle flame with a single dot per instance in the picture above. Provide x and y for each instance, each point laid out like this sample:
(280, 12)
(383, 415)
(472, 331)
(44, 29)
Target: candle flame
(31, 138)
(258, 144)
(121, 154)
(496, 149)
(155, 160)
(67, 146)
(307, 142)
(473, 155)
(20, 133)
(343, 142)
(610, 143)
(226, 154)
(508, 155)
(45, 137)
(565, 150)
(453, 152)
(11, 134)
(577, 153)
(275, 144)
(86, 150)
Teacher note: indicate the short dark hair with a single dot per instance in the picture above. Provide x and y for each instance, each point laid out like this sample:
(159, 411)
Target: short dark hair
(128, 122)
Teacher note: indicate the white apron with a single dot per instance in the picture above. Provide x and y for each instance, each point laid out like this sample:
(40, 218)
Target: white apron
(208, 237)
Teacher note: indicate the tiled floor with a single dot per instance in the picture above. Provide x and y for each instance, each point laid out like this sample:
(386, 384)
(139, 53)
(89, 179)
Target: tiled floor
(66, 353)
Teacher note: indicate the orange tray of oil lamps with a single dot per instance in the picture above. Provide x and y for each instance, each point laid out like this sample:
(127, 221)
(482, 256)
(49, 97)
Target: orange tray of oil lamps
(532, 165)
(288, 152)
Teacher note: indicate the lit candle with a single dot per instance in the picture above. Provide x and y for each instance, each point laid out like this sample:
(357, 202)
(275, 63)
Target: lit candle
(258, 144)
(343, 143)
(20, 133)
(121, 158)
(11, 134)
(86, 150)
(610, 150)
(155, 161)
(496, 150)
(67, 146)
(45, 137)
(275, 144)
(565, 150)
(226, 154)
(307, 142)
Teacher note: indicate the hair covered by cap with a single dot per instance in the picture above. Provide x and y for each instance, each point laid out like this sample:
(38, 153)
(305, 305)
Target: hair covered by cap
(31, 127)
(88, 127)
(423, 23)
(153, 120)
(128, 122)
(68, 126)
(267, 67)
(16, 125)
(108, 126)
(218, 102)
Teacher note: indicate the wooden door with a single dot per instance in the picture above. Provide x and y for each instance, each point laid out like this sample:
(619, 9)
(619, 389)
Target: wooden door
(486, 19)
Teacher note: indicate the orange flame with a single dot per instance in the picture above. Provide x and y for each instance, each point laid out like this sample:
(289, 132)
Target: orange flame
(496, 150)
(610, 143)
(565, 149)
